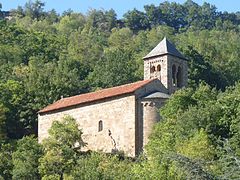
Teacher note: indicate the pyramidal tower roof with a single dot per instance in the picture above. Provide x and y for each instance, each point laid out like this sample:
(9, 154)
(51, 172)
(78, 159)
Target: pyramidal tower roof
(163, 48)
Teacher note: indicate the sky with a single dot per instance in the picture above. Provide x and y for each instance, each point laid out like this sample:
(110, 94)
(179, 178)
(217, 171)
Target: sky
(120, 6)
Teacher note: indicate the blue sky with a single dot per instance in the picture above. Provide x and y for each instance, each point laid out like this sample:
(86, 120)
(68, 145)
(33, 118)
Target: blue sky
(120, 6)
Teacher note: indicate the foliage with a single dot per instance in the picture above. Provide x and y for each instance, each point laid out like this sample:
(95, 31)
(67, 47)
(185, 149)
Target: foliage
(61, 148)
(3, 133)
(18, 117)
(6, 164)
(136, 20)
(197, 147)
(195, 125)
(44, 55)
(47, 55)
(25, 159)
(229, 162)
(101, 166)
(119, 69)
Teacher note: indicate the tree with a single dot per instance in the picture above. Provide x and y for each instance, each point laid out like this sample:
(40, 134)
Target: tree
(229, 162)
(136, 20)
(189, 125)
(102, 20)
(102, 166)
(34, 9)
(71, 23)
(25, 158)
(173, 14)
(1, 11)
(61, 148)
(56, 79)
(121, 38)
(115, 68)
(202, 70)
(154, 15)
(198, 135)
(6, 164)
(198, 147)
(18, 118)
(52, 16)
(88, 167)
(18, 13)
(3, 133)
(86, 47)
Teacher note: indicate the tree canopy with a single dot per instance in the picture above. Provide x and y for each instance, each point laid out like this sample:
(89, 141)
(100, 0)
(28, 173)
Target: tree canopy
(45, 55)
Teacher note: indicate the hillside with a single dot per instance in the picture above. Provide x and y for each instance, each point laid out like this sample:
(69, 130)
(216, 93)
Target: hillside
(44, 55)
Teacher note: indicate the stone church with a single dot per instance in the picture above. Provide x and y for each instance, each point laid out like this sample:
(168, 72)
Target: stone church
(121, 118)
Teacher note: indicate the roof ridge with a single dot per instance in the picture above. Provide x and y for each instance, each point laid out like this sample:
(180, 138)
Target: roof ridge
(97, 95)
(105, 89)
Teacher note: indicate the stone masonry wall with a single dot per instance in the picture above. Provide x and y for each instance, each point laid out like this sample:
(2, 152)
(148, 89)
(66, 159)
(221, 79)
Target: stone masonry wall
(117, 115)
(165, 75)
(162, 75)
(151, 116)
(147, 115)
(178, 63)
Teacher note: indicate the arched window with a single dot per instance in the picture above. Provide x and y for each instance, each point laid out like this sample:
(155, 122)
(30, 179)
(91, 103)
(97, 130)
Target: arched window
(100, 126)
(179, 77)
(159, 67)
(174, 75)
(153, 69)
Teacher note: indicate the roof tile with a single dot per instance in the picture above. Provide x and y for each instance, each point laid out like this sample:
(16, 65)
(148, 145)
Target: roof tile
(94, 96)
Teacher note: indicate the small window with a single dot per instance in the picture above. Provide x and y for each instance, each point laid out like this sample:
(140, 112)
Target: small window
(153, 69)
(179, 77)
(159, 67)
(100, 126)
(174, 75)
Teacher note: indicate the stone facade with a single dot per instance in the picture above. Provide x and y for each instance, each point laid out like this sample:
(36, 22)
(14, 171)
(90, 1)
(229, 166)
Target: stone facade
(157, 67)
(123, 122)
(119, 115)
(162, 67)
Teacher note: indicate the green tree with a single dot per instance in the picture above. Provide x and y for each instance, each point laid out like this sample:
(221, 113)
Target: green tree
(71, 23)
(25, 158)
(1, 15)
(18, 118)
(201, 70)
(197, 147)
(189, 125)
(61, 148)
(102, 20)
(136, 20)
(228, 162)
(173, 14)
(79, 43)
(52, 16)
(6, 164)
(102, 166)
(121, 38)
(3, 133)
(115, 68)
(154, 15)
(88, 167)
(34, 9)
(56, 79)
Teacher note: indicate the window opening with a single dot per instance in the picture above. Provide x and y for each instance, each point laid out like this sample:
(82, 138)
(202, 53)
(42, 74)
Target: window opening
(174, 75)
(100, 126)
(179, 77)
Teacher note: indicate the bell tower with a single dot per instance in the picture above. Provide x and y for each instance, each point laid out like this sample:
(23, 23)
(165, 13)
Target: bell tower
(167, 64)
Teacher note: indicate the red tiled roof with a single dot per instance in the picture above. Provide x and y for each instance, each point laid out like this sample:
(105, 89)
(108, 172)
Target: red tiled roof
(94, 96)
